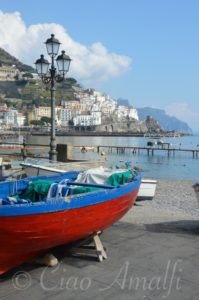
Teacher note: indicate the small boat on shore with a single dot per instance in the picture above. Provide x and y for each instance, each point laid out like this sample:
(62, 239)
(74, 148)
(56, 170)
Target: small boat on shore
(34, 167)
(41, 212)
(147, 189)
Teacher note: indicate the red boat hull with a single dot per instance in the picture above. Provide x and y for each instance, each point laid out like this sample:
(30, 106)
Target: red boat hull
(23, 237)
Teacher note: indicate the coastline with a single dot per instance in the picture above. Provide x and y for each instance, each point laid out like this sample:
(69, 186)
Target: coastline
(116, 134)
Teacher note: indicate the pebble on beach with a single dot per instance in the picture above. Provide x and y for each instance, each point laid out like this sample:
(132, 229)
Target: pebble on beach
(174, 200)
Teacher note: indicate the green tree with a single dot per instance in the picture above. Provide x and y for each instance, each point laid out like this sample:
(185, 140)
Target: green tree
(46, 120)
(27, 75)
(36, 122)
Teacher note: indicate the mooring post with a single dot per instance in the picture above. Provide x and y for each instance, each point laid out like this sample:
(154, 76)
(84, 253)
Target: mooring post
(24, 149)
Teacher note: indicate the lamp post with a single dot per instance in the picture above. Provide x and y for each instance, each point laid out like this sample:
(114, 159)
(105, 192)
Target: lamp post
(51, 76)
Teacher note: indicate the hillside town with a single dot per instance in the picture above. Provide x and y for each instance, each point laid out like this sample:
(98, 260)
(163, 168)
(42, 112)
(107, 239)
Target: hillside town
(88, 108)
(25, 103)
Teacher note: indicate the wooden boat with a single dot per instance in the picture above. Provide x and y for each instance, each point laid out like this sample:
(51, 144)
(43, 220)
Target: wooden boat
(29, 228)
(35, 167)
(196, 189)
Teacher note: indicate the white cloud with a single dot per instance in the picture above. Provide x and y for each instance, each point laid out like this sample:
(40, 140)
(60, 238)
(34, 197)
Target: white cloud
(182, 111)
(90, 63)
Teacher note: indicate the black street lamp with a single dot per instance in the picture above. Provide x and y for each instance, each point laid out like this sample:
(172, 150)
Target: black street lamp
(51, 76)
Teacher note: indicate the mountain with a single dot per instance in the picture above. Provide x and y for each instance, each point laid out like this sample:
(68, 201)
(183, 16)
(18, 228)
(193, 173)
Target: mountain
(168, 123)
(30, 92)
(9, 60)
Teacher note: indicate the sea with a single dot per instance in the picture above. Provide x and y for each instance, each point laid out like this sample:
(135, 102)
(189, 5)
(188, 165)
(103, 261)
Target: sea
(181, 166)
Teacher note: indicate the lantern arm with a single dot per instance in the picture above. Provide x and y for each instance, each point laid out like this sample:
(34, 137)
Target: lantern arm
(49, 78)
(59, 78)
(46, 79)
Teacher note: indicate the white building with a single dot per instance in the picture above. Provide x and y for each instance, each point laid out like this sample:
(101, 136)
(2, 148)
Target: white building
(13, 118)
(82, 120)
(20, 119)
(133, 113)
(88, 120)
(109, 106)
(97, 117)
(124, 111)
(72, 104)
(10, 117)
(65, 115)
(96, 107)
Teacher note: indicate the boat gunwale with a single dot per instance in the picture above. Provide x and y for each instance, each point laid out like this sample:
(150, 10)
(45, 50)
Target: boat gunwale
(70, 202)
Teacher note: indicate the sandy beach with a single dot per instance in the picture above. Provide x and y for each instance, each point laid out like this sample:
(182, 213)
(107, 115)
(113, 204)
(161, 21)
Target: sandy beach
(174, 200)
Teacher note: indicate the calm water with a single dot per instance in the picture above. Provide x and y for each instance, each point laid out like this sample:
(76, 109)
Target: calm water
(182, 166)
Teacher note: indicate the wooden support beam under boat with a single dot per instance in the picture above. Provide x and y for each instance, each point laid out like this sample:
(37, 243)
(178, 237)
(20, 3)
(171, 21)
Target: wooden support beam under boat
(83, 248)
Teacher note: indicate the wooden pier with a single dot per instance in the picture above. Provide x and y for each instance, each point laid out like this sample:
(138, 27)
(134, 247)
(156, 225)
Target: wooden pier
(150, 151)
(39, 150)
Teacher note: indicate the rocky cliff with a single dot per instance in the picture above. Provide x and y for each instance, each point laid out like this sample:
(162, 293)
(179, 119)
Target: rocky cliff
(130, 126)
(168, 123)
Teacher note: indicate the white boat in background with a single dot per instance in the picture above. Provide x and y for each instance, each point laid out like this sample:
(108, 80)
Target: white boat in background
(196, 189)
(37, 167)
(147, 189)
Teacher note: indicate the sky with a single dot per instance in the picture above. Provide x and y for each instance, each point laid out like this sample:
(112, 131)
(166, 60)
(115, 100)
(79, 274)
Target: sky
(146, 51)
